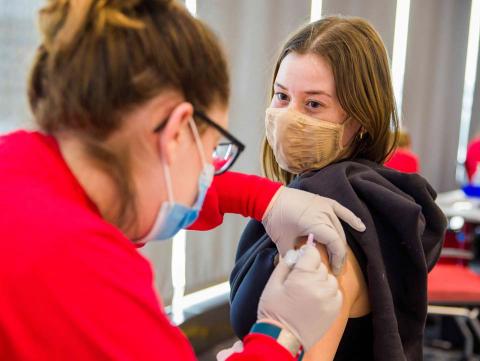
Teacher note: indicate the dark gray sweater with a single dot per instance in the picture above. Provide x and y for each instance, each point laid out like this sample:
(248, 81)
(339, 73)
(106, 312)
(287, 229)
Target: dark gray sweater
(404, 236)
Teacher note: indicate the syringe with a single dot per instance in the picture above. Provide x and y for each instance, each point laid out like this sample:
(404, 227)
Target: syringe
(292, 255)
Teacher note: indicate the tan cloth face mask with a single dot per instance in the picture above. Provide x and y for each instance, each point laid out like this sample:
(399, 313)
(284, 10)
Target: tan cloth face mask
(301, 142)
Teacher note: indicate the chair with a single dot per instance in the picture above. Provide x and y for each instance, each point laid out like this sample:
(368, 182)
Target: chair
(454, 290)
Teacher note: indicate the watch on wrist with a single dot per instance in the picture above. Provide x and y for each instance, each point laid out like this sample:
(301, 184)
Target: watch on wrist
(281, 335)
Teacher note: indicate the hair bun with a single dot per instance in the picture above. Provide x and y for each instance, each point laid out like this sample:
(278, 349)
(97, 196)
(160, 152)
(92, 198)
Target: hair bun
(62, 21)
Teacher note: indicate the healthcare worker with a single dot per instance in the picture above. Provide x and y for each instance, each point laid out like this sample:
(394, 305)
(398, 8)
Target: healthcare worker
(125, 93)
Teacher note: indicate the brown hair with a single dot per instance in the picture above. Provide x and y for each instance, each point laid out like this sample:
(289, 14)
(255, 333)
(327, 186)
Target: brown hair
(99, 59)
(360, 68)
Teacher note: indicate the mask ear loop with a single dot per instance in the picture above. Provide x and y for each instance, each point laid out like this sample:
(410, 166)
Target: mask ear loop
(342, 131)
(196, 135)
(166, 168)
(168, 181)
(206, 176)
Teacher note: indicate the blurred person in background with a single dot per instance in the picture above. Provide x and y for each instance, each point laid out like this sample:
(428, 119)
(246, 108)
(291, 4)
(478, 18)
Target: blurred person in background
(403, 158)
(472, 161)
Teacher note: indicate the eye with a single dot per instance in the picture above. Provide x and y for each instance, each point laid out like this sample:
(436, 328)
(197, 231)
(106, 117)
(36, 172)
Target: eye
(281, 96)
(314, 104)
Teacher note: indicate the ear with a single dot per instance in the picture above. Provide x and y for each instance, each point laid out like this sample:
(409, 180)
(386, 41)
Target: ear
(169, 139)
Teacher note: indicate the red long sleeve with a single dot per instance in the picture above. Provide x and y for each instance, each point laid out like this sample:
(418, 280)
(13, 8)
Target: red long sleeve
(259, 347)
(238, 193)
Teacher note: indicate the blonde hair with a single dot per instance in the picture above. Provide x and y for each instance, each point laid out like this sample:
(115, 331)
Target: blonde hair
(99, 59)
(360, 66)
(404, 139)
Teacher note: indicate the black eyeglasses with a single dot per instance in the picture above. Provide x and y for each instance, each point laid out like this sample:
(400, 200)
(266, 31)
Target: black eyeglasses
(227, 150)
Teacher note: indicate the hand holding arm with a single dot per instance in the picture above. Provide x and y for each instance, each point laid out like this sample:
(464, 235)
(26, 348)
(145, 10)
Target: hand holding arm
(293, 213)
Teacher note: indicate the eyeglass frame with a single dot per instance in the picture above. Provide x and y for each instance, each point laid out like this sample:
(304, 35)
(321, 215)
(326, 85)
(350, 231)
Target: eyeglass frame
(220, 129)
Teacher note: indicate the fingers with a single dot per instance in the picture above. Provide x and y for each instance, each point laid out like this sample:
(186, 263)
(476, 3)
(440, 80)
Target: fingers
(336, 259)
(291, 257)
(336, 247)
(310, 270)
(280, 273)
(225, 354)
(337, 302)
(284, 245)
(309, 259)
(331, 283)
(336, 262)
(347, 216)
(338, 226)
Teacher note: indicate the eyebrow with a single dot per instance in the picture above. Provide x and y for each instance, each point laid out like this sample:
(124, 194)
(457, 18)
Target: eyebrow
(309, 92)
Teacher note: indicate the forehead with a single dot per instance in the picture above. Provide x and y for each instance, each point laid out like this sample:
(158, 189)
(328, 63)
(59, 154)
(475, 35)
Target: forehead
(306, 72)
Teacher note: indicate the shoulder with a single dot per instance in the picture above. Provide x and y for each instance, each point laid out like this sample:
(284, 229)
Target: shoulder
(22, 143)
(348, 181)
(340, 179)
(351, 282)
(47, 230)
(355, 304)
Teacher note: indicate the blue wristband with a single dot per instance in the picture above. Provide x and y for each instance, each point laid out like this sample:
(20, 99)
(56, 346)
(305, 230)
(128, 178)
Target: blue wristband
(266, 329)
(282, 336)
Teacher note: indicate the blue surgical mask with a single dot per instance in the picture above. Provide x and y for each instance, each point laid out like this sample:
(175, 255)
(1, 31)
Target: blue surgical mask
(172, 216)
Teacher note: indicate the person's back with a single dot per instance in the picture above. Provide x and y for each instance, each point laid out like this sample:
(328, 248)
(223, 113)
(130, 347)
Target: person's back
(61, 264)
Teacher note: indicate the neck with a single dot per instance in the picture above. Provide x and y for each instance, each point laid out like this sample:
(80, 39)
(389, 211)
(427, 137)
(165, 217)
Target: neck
(97, 184)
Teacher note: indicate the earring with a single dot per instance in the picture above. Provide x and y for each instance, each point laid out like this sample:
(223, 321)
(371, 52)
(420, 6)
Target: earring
(362, 134)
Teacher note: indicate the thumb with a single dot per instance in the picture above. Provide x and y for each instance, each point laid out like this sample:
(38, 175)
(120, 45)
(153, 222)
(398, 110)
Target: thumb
(225, 354)
(280, 273)
(309, 259)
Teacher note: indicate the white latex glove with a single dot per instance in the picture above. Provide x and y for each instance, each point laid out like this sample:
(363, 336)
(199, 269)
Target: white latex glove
(304, 299)
(224, 354)
(293, 213)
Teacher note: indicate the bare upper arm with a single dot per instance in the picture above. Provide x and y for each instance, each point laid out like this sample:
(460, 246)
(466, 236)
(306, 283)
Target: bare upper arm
(355, 304)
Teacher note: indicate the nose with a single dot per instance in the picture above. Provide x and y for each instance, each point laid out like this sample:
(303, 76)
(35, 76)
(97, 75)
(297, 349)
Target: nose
(295, 104)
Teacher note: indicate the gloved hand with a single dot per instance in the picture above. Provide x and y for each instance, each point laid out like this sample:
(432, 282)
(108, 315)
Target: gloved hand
(293, 213)
(225, 354)
(304, 299)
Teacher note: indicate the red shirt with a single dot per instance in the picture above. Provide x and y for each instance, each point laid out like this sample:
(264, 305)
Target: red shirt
(404, 160)
(73, 287)
(473, 157)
